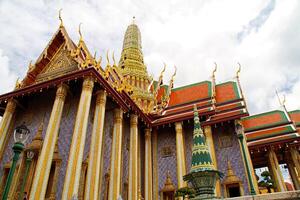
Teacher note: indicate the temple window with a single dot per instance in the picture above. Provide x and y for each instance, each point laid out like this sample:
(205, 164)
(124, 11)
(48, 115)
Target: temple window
(168, 191)
(232, 184)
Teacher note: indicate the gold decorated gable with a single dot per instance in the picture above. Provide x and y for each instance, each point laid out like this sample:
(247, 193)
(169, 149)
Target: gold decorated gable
(61, 64)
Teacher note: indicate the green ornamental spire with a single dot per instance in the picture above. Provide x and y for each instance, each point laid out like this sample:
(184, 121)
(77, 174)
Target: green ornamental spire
(201, 159)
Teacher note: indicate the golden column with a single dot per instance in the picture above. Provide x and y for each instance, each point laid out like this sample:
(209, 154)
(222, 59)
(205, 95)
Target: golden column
(211, 146)
(155, 164)
(133, 159)
(148, 165)
(293, 173)
(115, 170)
(93, 183)
(295, 158)
(275, 171)
(72, 177)
(5, 124)
(180, 155)
(40, 181)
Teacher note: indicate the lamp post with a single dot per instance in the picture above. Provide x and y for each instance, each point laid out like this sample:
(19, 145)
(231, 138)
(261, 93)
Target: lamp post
(239, 129)
(20, 136)
(30, 155)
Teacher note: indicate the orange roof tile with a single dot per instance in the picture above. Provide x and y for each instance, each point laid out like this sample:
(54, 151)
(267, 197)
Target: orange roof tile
(295, 116)
(266, 133)
(264, 120)
(190, 93)
(272, 139)
(227, 92)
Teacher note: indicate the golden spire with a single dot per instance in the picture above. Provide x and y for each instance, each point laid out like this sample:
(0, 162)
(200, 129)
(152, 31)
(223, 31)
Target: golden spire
(79, 31)
(60, 18)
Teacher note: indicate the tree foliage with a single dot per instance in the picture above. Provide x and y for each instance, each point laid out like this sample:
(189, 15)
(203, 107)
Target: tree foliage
(267, 181)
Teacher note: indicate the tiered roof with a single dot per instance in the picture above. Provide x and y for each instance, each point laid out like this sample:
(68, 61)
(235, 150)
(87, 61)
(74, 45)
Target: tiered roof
(227, 104)
(271, 127)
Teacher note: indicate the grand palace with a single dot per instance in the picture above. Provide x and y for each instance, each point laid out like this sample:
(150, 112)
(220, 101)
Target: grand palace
(111, 132)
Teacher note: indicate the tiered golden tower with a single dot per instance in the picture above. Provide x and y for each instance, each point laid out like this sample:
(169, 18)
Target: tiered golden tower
(134, 70)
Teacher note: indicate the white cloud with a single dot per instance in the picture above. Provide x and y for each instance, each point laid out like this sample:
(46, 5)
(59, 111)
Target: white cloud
(191, 34)
(7, 77)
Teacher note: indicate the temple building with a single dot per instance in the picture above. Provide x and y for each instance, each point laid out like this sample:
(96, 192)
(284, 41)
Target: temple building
(104, 132)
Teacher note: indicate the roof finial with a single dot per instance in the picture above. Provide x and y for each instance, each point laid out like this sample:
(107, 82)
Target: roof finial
(79, 31)
(95, 54)
(238, 71)
(113, 57)
(60, 18)
(133, 20)
(215, 70)
(282, 103)
(107, 58)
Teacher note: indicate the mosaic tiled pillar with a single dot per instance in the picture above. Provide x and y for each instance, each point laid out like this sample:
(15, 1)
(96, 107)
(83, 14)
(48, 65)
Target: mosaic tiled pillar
(5, 124)
(115, 166)
(180, 155)
(211, 146)
(94, 173)
(274, 168)
(252, 181)
(72, 177)
(148, 165)
(133, 159)
(43, 167)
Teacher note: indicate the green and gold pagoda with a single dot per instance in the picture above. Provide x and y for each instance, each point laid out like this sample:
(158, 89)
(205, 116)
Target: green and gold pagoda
(202, 176)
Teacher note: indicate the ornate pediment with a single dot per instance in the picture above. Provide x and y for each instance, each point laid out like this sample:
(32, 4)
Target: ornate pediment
(61, 64)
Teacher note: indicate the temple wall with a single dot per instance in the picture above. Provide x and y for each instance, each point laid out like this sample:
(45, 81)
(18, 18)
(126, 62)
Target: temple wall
(125, 154)
(32, 115)
(166, 138)
(65, 137)
(188, 142)
(108, 130)
(227, 147)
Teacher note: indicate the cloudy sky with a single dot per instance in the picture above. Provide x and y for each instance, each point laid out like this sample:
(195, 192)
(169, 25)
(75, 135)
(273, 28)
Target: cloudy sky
(262, 35)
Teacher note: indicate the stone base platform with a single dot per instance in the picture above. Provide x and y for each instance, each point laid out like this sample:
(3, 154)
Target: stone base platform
(291, 195)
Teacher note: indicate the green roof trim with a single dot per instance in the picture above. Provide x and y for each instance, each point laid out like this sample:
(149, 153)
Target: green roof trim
(287, 129)
(284, 119)
(294, 111)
